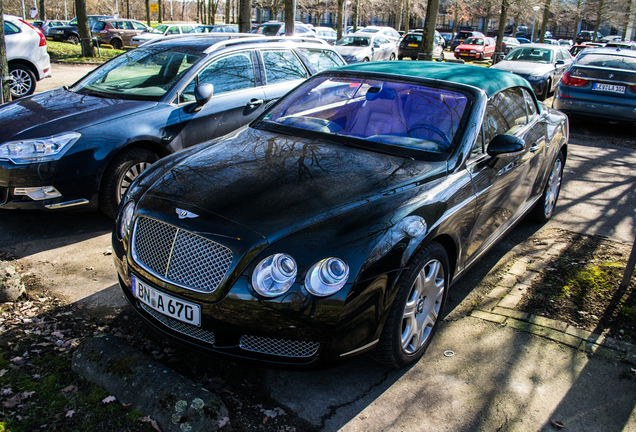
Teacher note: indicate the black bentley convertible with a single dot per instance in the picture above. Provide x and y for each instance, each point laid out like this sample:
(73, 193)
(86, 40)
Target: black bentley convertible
(337, 221)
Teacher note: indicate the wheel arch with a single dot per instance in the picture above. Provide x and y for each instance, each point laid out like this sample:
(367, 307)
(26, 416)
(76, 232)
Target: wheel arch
(26, 63)
(117, 38)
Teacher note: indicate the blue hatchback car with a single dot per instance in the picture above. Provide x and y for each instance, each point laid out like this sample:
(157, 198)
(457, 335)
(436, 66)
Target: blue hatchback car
(600, 83)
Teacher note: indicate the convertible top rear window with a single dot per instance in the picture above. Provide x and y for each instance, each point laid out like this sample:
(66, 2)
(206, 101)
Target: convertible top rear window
(403, 115)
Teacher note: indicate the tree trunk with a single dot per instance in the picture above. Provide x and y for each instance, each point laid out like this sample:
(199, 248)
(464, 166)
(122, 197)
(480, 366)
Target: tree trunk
(544, 22)
(42, 11)
(147, 12)
(160, 17)
(515, 24)
(428, 38)
(355, 15)
(245, 16)
(628, 12)
(599, 12)
(4, 67)
(128, 9)
(487, 17)
(339, 19)
(88, 50)
(502, 26)
(289, 17)
(407, 16)
(455, 18)
(398, 25)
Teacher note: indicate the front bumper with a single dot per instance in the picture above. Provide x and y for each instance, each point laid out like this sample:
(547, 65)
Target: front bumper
(292, 330)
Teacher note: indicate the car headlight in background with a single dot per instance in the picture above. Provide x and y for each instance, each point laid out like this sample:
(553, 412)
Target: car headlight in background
(37, 150)
(274, 275)
(125, 219)
(327, 277)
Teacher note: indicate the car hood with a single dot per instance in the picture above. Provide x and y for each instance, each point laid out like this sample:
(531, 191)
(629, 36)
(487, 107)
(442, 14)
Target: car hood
(354, 51)
(524, 68)
(473, 47)
(60, 111)
(147, 36)
(276, 184)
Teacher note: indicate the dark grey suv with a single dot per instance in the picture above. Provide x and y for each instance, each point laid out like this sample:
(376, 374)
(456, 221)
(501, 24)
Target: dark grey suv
(84, 145)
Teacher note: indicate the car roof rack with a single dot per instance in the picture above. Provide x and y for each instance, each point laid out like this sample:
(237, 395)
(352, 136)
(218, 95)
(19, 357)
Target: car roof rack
(230, 35)
(284, 39)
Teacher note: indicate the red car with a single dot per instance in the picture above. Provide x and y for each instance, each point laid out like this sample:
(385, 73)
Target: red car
(476, 48)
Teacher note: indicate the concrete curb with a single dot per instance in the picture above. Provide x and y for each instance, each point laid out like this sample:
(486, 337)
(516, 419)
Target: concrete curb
(499, 307)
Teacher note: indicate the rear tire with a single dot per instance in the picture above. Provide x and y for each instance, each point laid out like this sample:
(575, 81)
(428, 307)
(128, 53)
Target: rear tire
(392, 57)
(74, 39)
(400, 57)
(544, 208)
(116, 44)
(121, 172)
(366, 59)
(23, 81)
(416, 309)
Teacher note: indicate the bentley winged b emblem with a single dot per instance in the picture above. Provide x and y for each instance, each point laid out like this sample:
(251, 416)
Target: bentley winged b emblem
(185, 214)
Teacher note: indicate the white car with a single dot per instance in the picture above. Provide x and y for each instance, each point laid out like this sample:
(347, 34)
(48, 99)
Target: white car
(364, 47)
(388, 32)
(26, 54)
(160, 31)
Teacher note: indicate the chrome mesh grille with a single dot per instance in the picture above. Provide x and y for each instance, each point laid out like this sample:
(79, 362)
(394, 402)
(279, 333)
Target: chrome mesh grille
(280, 347)
(181, 327)
(179, 256)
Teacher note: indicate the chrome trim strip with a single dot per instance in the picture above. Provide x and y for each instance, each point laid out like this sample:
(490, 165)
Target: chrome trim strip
(361, 348)
(66, 204)
(174, 240)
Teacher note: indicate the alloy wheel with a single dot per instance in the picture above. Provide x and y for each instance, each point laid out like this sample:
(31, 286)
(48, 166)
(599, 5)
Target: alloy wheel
(130, 176)
(422, 308)
(554, 184)
(22, 82)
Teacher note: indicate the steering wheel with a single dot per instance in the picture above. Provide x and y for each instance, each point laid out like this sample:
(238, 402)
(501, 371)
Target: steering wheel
(445, 140)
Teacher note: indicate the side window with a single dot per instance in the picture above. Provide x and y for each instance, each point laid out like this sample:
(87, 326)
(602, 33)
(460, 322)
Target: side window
(530, 104)
(128, 25)
(138, 26)
(186, 29)
(10, 28)
(281, 66)
(227, 74)
(98, 26)
(478, 146)
(321, 59)
(516, 114)
(495, 122)
(173, 30)
(381, 40)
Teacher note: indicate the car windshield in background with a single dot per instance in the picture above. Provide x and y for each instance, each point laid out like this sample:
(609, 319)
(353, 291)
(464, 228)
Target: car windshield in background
(369, 30)
(607, 61)
(354, 41)
(413, 37)
(143, 74)
(474, 41)
(401, 115)
(321, 59)
(536, 55)
(159, 29)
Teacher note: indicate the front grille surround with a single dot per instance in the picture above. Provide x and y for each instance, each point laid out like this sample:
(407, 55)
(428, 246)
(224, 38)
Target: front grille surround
(279, 347)
(179, 257)
(181, 327)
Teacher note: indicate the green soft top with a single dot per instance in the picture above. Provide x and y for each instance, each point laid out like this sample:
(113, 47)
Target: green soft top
(489, 80)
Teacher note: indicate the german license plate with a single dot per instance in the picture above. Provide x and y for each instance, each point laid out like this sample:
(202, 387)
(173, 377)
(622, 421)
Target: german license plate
(464, 54)
(413, 45)
(166, 304)
(609, 88)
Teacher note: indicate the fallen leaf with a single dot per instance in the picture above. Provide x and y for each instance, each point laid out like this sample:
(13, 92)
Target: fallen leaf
(557, 424)
(109, 399)
(25, 395)
(223, 422)
(10, 403)
(70, 388)
(70, 413)
(58, 335)
(153, 423)
(126, 405)
(3, 371)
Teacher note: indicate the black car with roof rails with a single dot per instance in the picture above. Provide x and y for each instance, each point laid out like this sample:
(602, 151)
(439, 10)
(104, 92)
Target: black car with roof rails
(82, 146)
(70, 32)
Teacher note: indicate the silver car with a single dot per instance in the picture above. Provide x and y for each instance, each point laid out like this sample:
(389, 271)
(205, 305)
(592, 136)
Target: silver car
(364, 47)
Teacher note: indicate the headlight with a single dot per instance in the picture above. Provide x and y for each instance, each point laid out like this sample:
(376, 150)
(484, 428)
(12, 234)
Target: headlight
(473, 52)
(327, 277)
(274, 275)
(125, 220)
(38, 149)
(456, 49)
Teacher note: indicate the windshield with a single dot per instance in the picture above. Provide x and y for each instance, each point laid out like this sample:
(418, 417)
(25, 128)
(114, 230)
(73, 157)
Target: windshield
(607, 61)
(401, 115)
(369, 30)
(141, 74)
(474, 41)
(159, 29)
(361, 41)
(536, 55)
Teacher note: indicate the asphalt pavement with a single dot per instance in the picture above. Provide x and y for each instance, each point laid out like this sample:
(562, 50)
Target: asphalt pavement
(497, 379)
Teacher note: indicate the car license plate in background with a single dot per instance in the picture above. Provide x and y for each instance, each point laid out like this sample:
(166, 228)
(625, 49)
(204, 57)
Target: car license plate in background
(166, 304)
(609, 87)
(413, 45)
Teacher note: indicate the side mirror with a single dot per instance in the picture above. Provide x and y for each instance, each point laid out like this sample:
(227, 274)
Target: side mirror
(504, 144)
(202, 94)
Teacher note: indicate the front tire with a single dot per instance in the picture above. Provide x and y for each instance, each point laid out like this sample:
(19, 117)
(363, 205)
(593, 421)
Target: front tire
(366, 59)
(544, 208)
(73, 39)
(23, 81)
(116, 44)
(416, 309)
(546, 92)
(392, 57)
(121, 172)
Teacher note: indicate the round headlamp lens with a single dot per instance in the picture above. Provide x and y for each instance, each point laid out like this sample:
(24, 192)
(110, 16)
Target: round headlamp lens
(274, 275)
(327, 277)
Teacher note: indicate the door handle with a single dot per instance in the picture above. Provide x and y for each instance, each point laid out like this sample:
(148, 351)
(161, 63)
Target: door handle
(536, 146)
(254, 102)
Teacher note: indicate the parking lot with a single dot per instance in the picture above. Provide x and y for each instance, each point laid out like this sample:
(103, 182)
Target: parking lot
(498, 379)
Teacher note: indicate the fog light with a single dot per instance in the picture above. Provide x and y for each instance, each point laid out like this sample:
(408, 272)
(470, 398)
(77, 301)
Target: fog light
(38, 193)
